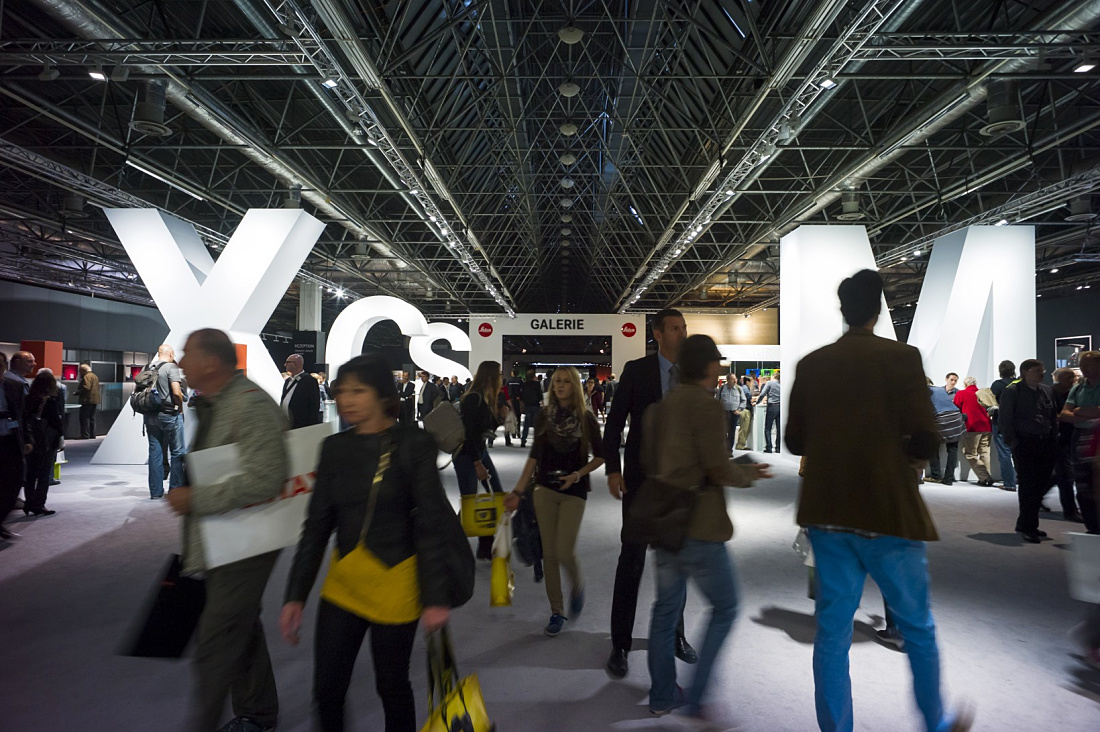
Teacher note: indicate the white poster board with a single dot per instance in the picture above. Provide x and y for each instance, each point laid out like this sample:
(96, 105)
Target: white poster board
(1083, 567)
(264, 527)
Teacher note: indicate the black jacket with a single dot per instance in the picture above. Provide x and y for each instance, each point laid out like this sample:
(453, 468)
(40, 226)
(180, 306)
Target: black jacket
(639, 386)
(478, 419)
(410, 510)
(432, 395)
(42, 421)
(531, 394)
(305, 405)
(16, 400)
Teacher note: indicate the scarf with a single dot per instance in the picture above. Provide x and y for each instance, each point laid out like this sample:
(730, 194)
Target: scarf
(563, 428)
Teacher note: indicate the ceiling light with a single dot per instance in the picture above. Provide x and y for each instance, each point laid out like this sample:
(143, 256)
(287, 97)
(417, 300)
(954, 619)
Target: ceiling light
(767, 151)
(567, 183)
(96, 72)
(566, 232)
(1002, 222)
(1054, 270)
(49, 73)
(566, 201)
(1084, 67)
(414, 191)
(330, 83)
(568, 129)
(120, 74)
(566, 218)
(569, 89)
(568, 159)
(570, 34)
(916, 253)
(826, 83)
(729, 191)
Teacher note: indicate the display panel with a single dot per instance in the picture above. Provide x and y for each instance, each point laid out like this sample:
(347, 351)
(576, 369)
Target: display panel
(1068, 349)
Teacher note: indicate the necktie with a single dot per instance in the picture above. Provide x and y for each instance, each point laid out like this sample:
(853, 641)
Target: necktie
(673, 376)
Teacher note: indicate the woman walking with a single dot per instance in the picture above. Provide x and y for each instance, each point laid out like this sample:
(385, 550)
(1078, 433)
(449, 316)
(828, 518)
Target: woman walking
(378, 489)
(480, 418)
(566, 437)
(42, 417)
(685, 447)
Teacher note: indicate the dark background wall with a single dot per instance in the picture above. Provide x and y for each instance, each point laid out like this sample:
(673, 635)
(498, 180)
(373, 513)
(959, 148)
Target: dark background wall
(78, 321)
(1073, 315)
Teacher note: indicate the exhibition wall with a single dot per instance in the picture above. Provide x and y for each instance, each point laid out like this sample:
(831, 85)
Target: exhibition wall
(758, 329)
(1075, 315)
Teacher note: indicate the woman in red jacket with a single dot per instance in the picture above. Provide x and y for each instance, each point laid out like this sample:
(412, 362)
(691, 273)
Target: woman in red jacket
(978, 431)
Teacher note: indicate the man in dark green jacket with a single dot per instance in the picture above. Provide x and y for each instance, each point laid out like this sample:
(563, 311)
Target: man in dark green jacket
(860, 502)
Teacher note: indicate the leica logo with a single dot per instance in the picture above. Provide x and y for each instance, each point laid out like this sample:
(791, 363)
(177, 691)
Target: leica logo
(485, 330)
(629, 329)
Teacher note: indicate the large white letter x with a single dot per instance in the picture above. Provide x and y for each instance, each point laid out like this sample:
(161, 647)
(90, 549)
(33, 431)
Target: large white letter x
(237, 293)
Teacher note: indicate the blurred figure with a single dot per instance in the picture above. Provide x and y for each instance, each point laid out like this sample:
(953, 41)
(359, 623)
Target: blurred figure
(531, 398)
(1082, 410)
(684, 446)
(14, 444)
(861, 504)
(231, 658)
(479, 417)
(566, 435)
(978, 430)
(397, 521)
(1064, 379)
(164, 430)
(1029, 423)
(1007, 370)
(732, 399)
(87, 393)
(744, 422)
(42, 418)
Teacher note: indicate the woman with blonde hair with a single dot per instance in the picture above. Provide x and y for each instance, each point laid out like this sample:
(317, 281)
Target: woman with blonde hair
(480, 418)
(566, 450)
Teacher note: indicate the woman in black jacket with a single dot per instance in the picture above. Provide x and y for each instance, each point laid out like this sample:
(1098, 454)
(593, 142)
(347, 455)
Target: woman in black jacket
(42, 417)
(378, 488)
(480, 418)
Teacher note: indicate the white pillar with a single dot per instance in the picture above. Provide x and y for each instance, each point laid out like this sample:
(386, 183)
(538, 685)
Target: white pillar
(309, 306)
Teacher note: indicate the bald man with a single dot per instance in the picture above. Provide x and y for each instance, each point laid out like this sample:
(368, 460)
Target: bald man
(164, 429)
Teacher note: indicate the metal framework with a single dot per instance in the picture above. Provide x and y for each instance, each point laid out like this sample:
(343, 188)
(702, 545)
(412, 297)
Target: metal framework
(505, 155)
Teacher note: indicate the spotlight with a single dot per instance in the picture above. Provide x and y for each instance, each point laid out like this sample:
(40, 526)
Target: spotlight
(1054, 270)
(120, 74)
(96, 72)
(330, 83)
(49, 73)
(569, 89)
(1002, 222)
(826, 83)
(1085, 66)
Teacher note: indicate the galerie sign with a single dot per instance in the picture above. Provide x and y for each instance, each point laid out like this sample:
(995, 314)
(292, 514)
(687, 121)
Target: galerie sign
(557, 324)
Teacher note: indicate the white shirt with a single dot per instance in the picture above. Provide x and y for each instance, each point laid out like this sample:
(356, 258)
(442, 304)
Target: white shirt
(285, 403)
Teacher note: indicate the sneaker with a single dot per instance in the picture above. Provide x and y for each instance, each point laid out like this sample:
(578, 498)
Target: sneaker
(1009, 488)
(679, 698)
(576, 602)
(557, 622)
(246, 724)
(891, 637)
(932, 479)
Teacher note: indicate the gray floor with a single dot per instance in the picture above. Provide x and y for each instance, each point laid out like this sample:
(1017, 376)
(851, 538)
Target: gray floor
(71, 586)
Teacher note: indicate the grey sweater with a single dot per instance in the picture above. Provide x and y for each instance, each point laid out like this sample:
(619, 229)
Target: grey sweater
(244, 414)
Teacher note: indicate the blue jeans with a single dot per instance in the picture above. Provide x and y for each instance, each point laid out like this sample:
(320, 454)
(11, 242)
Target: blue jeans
(165, 430)
(467, 474)
(900, 568)
(709, 564)
(771, 421)
(1004, 455)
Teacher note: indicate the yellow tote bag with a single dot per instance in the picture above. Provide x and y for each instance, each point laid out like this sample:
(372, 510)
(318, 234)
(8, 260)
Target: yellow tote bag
(364, 585)
(481, 512)
(460, 706)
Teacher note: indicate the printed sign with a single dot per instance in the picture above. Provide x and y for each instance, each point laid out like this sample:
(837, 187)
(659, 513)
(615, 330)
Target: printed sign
(629, 329)
(485, 330)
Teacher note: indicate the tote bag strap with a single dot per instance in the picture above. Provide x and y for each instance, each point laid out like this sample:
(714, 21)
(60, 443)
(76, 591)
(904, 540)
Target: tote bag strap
(376, 484)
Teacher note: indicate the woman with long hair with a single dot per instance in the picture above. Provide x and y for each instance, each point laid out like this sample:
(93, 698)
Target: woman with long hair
(42, 417)
(378, 489)
(480, 418)
(567, 448)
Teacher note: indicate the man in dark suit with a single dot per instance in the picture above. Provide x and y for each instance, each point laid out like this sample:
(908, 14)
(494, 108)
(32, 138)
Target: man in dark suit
(15, 442)
(301, 395)
(644, 382)
(860, 500)
(430, 396)
(406, 390)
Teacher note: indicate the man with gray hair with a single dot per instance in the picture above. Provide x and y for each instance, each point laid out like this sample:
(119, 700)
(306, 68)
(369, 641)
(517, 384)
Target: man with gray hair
(979, 429)
(164, 428)
(231, 657)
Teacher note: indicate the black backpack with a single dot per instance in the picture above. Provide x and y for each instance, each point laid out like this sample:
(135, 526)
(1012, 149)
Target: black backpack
(147, 398)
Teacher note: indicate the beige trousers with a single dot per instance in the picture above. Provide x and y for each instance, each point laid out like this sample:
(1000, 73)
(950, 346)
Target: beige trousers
(559, 516)
(743, 427)
(976, 450)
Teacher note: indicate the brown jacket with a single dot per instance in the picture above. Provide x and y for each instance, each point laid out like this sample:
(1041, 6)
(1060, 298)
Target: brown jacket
(88, 390)
(685, 445)
(859, 471)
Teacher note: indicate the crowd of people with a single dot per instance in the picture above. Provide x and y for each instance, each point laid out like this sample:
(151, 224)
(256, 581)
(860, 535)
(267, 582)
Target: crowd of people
(400, 556)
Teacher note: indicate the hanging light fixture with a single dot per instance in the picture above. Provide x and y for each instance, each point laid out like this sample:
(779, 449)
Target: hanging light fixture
(568, 89)
(570, 34)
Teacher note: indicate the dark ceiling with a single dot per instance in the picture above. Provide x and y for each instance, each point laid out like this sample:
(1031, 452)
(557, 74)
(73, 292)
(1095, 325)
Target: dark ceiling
(480, 155)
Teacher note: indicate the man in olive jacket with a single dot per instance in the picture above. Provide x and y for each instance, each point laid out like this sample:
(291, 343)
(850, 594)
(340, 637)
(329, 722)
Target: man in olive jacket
(861, 504)
(231, 655)
(87, 393)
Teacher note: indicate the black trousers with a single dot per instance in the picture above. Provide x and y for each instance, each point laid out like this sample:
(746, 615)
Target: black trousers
(771, 420)
(948, 473)
(39, 472)
(11, 473)
(1082, 475)
(530, 414)
(339, 637)
(87, 421)
(1034, 457)
(628, 578)
(732, 420)
(1063, 477)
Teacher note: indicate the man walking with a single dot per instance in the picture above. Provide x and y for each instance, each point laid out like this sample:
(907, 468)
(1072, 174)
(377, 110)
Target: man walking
(645, 381)
(861, 504)
(1082, 410)
(1029, 423)
(87, 394)
(1007, 370)
(531, 398)
(1064, 379)
(455, 389)
(164, 430)
(429, 397)
(301, 400)
(732, 398)
(770, 395)
(15, 441)
(231, 657)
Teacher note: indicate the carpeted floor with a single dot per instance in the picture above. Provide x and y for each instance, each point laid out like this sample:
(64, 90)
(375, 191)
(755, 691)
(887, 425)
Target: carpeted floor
(72, 585)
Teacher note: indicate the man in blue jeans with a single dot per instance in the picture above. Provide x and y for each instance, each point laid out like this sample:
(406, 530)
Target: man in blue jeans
(861, 504)
(165, 429)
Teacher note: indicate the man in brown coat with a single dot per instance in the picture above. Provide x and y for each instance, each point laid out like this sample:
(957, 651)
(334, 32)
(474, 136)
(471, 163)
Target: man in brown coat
(87, 393)
(860, 502)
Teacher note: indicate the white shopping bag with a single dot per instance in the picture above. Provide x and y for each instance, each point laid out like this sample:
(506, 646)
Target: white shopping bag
(1084, 567)
(264, 527)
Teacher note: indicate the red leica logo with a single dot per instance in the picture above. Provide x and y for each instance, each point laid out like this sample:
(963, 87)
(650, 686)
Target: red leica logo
(485, 330)
(629, 330)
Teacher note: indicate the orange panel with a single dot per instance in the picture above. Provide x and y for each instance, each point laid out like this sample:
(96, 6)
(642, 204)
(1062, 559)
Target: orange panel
(242, 357)
(47, 354)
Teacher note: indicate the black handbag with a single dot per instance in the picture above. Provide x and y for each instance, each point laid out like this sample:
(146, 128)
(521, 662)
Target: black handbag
(660, 515)
(525, 531)
(171, 616)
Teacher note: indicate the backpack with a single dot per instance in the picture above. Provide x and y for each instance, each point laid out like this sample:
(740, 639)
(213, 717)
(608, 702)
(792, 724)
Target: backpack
(146, 398)
(444, 423)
